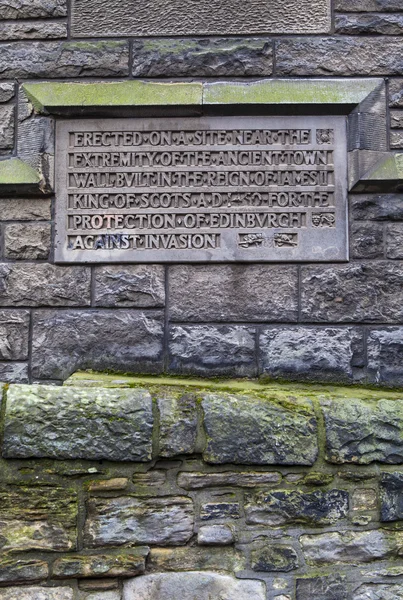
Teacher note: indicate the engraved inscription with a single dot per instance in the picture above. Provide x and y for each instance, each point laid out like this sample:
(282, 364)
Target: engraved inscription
(217, 189)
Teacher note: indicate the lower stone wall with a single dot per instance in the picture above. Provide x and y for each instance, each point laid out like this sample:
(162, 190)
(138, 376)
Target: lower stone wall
(129, 489)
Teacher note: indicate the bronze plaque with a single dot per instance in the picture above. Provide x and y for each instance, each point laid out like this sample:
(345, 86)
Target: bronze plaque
(201, 189)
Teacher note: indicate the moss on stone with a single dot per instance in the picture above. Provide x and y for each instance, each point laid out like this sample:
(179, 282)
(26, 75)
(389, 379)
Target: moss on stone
(14, 171)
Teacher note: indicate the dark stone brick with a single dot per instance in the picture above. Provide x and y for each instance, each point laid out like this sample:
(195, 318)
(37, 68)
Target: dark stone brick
(275, 508)
(391, 497)
(219, 510)
(203, 57)
(394, 241)
(385, 207)
(124, 340)
(212, 350)
(385, 356)
(386, 24)
(371, 292)
(367, 240)
(17, 570)
(273, 557)
(64, 59)
(139, 286)
(322, 588)
(233, 293)
(339, 56)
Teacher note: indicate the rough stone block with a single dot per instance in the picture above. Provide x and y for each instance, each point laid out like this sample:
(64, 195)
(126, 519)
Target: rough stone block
(332, 587)
(226, 350)
(6, 127)
(396, 138)
(220, 510)
(245, 430)
(101, 565)
(17, 570)
(233, 293)
(373, 591)
(178, 424)
(86, 423)
(396, 93)
(19, 209)
(138, 286)
(124, 340)
(274, 557)
(100, 595)
(391, 497)
(368, 5)
(40, 30)
(305, 353)
(202, 586)
(14, 330)
(64, 59)
(14, 372)
(358, 24)
(38, 518)
(32, 9)
(350, 546)
(107, 485)
(36, 593)
(387, 207)
(385, 355)
(371, 292)
(247, 479)
(287, 507)
(236, 57)
(7, 91)
(341, 56)
(367, 240)
(193, 558)
(396, 118)
(28, 242)
(360, 432)
(215, 535)
(131, 520)
(43, 285)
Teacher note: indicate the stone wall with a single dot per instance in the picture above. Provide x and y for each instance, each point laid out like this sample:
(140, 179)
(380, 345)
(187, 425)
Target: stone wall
(146, 490)
(329, 322)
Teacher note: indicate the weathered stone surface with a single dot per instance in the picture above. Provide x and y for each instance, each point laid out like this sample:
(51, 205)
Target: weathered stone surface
(7, 91)
(368, 5)
(387, 207)
(205, 57)
(350, 546)
(32, 9)
(14, 372)
(195, 558)
(367, 240)
(322, 588)
(359, 431)
(266, 432)
(282, 507)
(364, 499)
(36, 593)
(100, 595)
(14, 331)
(391, 497)
(98, 584)
(117, 521)
(339, 56)
(19, 209)
(396, 93)
(231, 293)
(17, 570)
(178, 423)
(102, 485)
(215, 535)
(371, 292)
(220, 510)
(6, 127)
(379, 592)
(138, 286)
(43, 285)
(88, 423)
(144, 482)
(274, 557)
(386, 24)
(212, 350)
(385, 355)
(101, 565)
(40, 30)
(396, 118)
(38, 518)
(202, 586)
(196, 481)
(396, 139)
(64, 59)
(306, 353)
(124, 340)
(27, 242)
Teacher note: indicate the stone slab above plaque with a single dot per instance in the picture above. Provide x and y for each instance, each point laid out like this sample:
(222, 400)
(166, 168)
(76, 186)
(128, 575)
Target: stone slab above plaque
(202, 17)
(214, 189)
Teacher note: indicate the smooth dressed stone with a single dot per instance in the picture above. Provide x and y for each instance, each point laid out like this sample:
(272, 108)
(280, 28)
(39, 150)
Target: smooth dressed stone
(139, 286)
(202, 586)
(28, 242)
(101, 565)
(131, 520)
(87, 423)
(391, 497)
(362, 432)
(284, 507)
(385, 355)
(177, 424)
(244, 430)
